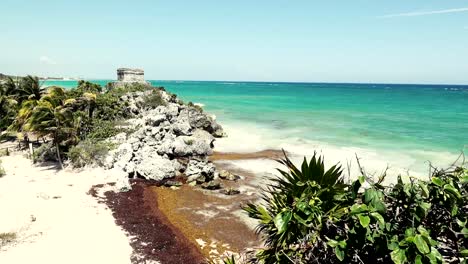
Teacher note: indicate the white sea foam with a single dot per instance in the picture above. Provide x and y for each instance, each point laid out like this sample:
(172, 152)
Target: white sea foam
(251, 137)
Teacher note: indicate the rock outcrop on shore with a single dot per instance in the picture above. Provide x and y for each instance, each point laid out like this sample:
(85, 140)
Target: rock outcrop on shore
(169, 140)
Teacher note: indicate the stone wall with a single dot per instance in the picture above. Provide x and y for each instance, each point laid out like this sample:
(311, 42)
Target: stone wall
(130, 75)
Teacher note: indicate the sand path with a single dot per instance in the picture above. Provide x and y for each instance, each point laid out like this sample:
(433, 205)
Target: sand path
(54, 217)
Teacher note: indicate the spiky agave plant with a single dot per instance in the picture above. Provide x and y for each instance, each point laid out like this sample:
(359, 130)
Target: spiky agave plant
(297, 205)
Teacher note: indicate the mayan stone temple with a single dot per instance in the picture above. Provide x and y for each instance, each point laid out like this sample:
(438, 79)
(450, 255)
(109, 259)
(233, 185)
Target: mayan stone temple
(128, 76)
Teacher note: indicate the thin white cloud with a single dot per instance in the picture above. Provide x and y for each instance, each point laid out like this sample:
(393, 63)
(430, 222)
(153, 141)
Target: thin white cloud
(426, 13)
(47, 60)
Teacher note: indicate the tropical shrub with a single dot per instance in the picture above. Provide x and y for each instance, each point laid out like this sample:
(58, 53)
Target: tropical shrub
(88, 152)
(45, 152)
(312, 216)
(153, 100)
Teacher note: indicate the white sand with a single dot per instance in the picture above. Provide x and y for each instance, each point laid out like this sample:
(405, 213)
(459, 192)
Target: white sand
(55, 219)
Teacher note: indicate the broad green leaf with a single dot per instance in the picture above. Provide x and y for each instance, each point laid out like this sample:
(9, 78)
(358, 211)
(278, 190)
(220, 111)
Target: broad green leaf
(421, 244)
(332, 243)
(398, 256)
(374, 198)
(409, 232)
(424, 189)
(342, 243)
(364, 220)
(378, 217)
(423, 231)
(362, 179)
(340, 254)
(358, 208)
(449, 188)
(281, 221)
(437, 181)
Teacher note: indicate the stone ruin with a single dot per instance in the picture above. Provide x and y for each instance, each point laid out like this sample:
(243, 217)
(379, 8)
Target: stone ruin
(128, 76)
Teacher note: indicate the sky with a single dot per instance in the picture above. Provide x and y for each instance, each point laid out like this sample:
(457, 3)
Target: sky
(398, 41)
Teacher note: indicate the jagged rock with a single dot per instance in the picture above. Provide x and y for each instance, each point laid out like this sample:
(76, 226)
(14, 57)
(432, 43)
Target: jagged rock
(230, 191)
(212, 185)
(197, 119)
(200, 171)
(226, 175)
(216, 130)
(155, 167)
(172, 139)
(199, 144)
(123, 155)
(171, 183)
(155, 120)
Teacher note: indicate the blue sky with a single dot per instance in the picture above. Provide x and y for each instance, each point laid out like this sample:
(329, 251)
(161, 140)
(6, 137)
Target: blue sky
(398, 41)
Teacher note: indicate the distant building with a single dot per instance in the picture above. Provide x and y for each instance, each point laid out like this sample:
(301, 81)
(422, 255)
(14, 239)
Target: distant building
(128, 76)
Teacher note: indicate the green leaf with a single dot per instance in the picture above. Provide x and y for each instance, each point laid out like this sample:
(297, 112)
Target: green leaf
(421, 244)
(464, 253)
(437, 181)
(450, 189)
(425, 207)
(418, 260)
(434, 257)
(361, 179)
(281, 221)
(409, 232)
(374, 198)
(364, 220)
(454, 211)
(332, 243)
(378, 217)
(398, 256)
(423, 231)
(265, 216)
(358, 208)
(424, 189)
(340, 254)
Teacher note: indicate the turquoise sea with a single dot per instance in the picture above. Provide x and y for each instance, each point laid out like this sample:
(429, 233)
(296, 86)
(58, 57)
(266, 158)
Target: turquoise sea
(397, 124)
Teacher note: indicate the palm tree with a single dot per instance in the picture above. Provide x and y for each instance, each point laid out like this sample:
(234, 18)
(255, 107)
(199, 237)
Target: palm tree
(27, 92)
(53, 116)
(8, 103)
(30, 88)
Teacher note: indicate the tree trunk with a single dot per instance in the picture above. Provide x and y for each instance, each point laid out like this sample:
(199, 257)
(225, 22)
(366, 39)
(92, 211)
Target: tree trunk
(58, 155)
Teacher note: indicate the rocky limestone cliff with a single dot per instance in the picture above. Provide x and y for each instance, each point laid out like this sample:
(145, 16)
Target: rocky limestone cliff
(170, 140)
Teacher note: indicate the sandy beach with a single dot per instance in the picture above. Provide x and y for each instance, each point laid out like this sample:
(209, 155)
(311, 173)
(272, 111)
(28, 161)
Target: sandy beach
(75, 216)
(54, 218)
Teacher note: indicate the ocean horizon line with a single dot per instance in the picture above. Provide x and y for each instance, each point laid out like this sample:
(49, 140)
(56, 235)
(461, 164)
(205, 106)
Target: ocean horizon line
(272, 82)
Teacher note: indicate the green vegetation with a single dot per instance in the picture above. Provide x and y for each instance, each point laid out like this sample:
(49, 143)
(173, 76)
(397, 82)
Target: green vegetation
(66, 117)
(197, 107)
(88, 152)
(310, 215)
(153, 100)
(6, 238)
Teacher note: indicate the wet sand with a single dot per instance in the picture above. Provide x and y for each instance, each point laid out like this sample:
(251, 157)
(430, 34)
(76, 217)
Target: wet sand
(190, 224)
(230, 156)
(153, 237)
